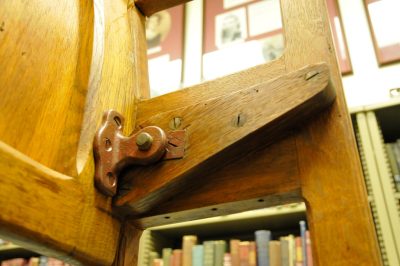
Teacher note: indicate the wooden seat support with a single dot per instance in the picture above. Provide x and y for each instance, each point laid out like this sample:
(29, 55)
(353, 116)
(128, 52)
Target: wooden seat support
(63, 64)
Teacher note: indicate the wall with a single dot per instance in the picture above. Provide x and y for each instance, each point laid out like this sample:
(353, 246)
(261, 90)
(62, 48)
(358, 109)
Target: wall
(369, 84)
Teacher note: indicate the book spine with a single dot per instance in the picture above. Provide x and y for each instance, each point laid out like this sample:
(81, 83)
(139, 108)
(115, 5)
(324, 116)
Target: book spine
(197, 255)
(234, 250)
(262, 240)
(187, 244)
(152, 255)
(393, 161)
(244, 253)
(309, 249)
(220, 248)
(176, 257)
(252, 254)
(303, 241)
(157, 262)
(299, 252)
(166, 255)
(227, 259)
(208, 259)
(274, 253)
(285, 251)
(292, 250)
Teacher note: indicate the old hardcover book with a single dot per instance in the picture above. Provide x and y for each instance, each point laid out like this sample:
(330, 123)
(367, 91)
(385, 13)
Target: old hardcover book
(187, 244)
(209, 253)
(157, 262)
(244, 250)
(176, 257)
(303, 241)
(393, 164)
(309, 249)
(234, 250)
(220, 249)
(299, 251)
(152, 255)
(262, 240)
(197, 255)
(274, 253)
(285, 260)
(227, 259)
(252, 254)
(166, 256)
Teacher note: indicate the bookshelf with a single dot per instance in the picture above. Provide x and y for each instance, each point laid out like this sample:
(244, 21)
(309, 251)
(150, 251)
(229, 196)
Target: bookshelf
(10, 251)
(374, 126)
(281, 220)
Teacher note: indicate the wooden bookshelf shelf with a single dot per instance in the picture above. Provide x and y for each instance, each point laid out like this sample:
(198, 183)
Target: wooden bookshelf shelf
(271, 218)
(11, 251)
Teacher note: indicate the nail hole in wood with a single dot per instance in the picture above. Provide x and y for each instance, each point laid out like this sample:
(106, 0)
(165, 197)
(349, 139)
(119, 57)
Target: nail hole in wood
(167, 217)
(260, 200)
(214, 209)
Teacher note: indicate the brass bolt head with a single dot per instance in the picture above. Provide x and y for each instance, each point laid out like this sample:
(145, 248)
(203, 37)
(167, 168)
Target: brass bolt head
(144, 141)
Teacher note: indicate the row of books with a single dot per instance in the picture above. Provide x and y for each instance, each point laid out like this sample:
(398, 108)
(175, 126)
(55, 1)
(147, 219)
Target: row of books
(393, 152)
(41, 261)
(264, 251)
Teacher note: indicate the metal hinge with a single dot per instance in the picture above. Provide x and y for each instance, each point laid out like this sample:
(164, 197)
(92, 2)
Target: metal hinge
(113, 151)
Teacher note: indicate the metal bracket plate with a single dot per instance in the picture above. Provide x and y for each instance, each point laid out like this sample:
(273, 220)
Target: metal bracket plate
(113, 151)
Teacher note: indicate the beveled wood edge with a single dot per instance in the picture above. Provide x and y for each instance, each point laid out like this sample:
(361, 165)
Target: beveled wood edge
(210, 89)
(29, 188)
(264, 201)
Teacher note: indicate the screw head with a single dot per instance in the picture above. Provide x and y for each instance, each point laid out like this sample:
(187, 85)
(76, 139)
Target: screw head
(175, 123)
(144, 141)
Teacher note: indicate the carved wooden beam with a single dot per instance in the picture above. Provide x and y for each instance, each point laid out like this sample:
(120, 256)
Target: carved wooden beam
(50, 213)
(149, 7)
(252, 116)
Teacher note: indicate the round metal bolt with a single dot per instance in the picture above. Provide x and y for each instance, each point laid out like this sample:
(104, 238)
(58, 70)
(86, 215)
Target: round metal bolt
(144, 141)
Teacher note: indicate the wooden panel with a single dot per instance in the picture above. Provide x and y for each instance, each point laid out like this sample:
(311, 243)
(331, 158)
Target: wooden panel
(149, 7)
(332, 184)
(213, 127)
(44, 78)
(51, 112)
(48, 212)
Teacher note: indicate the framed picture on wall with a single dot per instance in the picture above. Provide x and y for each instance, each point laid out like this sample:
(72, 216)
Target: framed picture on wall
(239, 34)
(339, 37)
(384, 22)
(164, 35)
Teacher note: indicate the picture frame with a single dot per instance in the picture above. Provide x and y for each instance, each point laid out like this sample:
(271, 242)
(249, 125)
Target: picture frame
(239, 34)
(385, 32)
(165, 49)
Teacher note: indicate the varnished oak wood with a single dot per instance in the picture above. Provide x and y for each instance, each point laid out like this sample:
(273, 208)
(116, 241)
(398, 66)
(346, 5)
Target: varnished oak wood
(149, 7)
(215, 133)
(63, 64)
(45, 210)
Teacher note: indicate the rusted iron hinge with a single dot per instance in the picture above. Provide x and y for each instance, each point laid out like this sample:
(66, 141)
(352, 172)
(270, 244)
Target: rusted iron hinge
(113, 151)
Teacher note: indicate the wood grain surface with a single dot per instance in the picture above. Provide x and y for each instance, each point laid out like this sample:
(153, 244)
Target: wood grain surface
(63, 64)
(47, 212)
(330, 172)
(221, 129)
